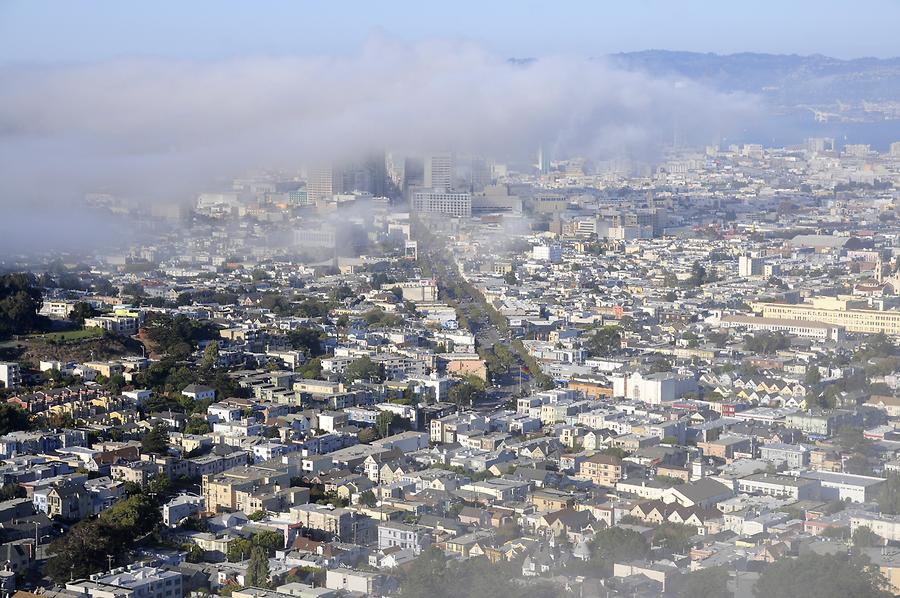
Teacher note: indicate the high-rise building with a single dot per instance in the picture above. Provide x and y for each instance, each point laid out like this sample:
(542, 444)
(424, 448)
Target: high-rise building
(439, 201)
(481, 174)
(749, 266)
(439, 171)
(547, 253)
(543, 161)
(857, 150)
(895, 149)
(322, 183)
(395, 169)
(817, 145)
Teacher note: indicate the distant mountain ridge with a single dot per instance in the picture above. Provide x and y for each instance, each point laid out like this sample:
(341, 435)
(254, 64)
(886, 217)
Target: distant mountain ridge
(785, 78)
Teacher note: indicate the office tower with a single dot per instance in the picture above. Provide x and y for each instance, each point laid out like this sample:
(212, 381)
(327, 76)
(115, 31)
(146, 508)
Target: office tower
(438, 201)
(749, 266)
(481, 174)
(817, 145)
(857, 150)
(439, 171)
(376, 173)
(543, 160)
(395, 166)
(547, 253)
(323, 182)
(895, 149)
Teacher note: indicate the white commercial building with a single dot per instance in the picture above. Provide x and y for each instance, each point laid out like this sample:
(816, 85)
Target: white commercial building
(10, 375)
(653, 389)
(439, 201)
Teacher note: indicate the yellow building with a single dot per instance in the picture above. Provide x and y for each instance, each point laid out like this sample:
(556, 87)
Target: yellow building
(840, 311)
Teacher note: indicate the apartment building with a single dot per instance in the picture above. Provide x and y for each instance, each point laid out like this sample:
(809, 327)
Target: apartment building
(602, 469)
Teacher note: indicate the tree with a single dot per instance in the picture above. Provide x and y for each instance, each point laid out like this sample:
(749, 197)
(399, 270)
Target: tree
(81, 311)
(156, 441)
(196, 425)
(369, 499)
(605, 340)
(20, 300)
(698, 275)
(467, 393)
(210, 357)
(427, 576)
(239, 549)
(12, 490)
(889, 497)
(766, 343)
(82, 551)
(813, 376)
(820, 576)
(13, 418)
(269, 540)
(864, 537)
(177, 336)
(675, 536)
(195, 554)
(616, 544)
(311, 370)
(86, 547)
(705, 583)
(257, 515)
(133, 290)
(383, 423)
(132, 516)
(257, 575)
(364, 369)
(367, 435)
(308, 340)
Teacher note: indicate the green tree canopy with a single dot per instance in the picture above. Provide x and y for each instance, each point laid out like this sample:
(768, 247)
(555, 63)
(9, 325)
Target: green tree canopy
(81, 311)
(605, 340)
(467, 393)
(156, 441)
(617, 544)
(364, 369)
(705, 583)
(258, 568)
(383, 423)
(20, 300)
(13, 418)
(820, 576)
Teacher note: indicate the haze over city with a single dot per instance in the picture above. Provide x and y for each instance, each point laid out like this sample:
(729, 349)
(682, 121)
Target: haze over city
(414, 300)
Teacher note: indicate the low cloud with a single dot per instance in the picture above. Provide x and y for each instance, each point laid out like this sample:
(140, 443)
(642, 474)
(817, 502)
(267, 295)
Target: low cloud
(162, 129)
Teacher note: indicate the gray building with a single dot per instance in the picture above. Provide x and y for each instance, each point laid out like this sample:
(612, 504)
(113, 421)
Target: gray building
(404, 536)
(794, 456)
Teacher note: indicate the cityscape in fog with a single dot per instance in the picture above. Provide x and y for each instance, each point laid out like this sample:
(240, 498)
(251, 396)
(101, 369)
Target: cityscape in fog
(509, 299)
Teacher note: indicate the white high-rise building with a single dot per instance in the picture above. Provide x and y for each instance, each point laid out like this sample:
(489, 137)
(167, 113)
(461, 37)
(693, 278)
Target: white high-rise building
(439, 201)
(439, 171)
(10, 375)
(322, 183)
(543, 161)
(749, 266)
(547, 253)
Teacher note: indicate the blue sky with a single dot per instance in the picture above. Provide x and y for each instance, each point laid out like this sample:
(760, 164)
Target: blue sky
(92, 30)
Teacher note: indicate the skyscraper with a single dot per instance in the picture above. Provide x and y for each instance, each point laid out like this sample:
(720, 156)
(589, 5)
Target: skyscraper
(439, 171)
(322, 183)
(543, 161)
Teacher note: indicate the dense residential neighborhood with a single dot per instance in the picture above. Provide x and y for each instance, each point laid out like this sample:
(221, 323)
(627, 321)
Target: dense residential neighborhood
(449, 300)
(590, 382)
